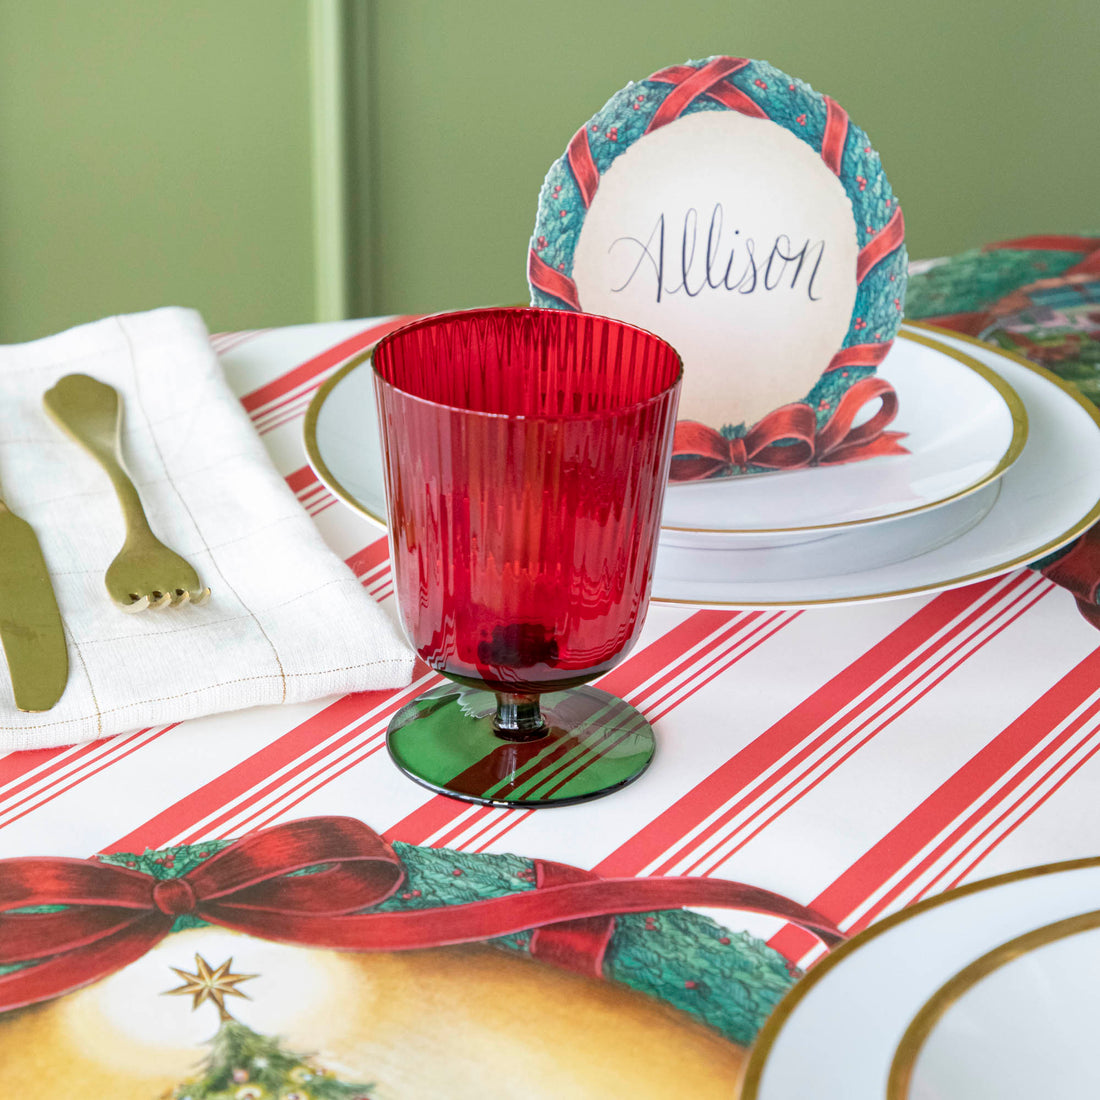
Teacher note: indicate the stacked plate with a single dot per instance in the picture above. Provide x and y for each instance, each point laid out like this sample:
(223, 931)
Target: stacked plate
(1003, 468)
(987, 992)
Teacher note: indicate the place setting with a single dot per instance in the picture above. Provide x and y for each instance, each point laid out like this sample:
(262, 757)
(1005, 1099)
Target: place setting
(825, 451)
(641, 683)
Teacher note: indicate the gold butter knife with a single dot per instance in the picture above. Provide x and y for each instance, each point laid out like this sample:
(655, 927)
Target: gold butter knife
(31, 631)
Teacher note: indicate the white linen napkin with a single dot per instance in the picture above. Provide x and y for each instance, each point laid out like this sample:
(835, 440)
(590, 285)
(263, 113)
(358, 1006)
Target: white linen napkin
(287, 620)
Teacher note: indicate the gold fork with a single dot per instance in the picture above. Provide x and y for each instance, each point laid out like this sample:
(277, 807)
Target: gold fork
(145, 573)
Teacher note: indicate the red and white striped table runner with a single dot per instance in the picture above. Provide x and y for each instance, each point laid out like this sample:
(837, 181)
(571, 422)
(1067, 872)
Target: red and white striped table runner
(855, 758)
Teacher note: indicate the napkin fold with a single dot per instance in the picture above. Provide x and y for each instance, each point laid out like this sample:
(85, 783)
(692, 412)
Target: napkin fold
(287, 620)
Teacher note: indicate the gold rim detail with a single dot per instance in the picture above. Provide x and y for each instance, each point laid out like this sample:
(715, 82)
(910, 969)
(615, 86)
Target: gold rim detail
(933, 1010)
(773, 1025)
(309, 434)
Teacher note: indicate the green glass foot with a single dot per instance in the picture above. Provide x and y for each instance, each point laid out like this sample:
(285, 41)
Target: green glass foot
(594, 744)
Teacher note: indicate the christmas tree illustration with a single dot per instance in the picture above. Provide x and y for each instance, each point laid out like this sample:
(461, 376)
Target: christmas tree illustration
(244, 1065)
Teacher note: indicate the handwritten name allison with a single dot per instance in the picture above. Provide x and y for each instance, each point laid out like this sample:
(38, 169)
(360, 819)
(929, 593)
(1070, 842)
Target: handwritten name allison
(710, 264)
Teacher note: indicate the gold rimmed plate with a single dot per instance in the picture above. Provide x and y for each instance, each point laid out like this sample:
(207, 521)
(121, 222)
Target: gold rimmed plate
(840, 1030)
(1019, 1021)
(1047, 497)
(963, 427)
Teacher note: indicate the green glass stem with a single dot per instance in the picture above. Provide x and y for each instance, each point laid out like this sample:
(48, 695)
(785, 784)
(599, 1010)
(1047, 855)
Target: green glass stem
(519, 718)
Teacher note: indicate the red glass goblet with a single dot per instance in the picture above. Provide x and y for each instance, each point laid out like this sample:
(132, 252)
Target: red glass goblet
(526, 456)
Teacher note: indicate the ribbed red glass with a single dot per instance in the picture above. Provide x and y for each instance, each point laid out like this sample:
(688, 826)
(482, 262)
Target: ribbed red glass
(526, 456)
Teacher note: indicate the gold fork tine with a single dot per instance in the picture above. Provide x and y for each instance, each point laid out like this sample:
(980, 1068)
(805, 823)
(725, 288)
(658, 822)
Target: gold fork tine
(145, 573)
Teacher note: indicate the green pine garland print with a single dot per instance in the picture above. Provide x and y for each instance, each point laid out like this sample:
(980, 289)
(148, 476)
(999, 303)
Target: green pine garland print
(244, 1065)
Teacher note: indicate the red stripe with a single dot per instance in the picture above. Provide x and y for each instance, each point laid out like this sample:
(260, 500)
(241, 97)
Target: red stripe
(669, 827)
(647, 688)
(67, 782)
(545, 278)
(836, 134)
(689, 88)
(1050, 241)
(16, 764)
(860, 355)
(584, 167)
(312, 367)
(643, 665)
(474, 816)
(289, 404)
(952, 798)
(841, 751)
(643, 698)
(721, 663)
(427, 820)
(301, 478)
(1009, 755)
(756, 637)
(363, 561)
(264, 805)
(887, 240)
(221, 791)
(1036, 805)
(293, 414)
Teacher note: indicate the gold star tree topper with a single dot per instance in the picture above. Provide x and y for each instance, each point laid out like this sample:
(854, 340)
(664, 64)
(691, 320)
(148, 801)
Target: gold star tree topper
(207, 984)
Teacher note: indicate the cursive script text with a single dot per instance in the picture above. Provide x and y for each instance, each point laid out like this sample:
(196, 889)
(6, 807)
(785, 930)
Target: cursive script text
(707, 262)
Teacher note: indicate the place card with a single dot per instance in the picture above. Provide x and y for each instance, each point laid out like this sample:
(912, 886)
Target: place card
(742, 216)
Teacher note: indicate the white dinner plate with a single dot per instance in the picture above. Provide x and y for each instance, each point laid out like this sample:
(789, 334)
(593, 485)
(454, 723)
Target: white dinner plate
(1049, 495)
(1018, 1022)
(1043, 500)
(963, 427)
(839, 1031)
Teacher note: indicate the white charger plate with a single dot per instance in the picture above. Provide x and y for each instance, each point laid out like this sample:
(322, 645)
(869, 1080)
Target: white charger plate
(838, 1032)
(1049, 495)
(964, 427)
(1018, 1022)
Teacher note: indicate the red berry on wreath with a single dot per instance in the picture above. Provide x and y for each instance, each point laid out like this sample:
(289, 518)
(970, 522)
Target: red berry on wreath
(801, 120)
(613, 134)
(759, 83)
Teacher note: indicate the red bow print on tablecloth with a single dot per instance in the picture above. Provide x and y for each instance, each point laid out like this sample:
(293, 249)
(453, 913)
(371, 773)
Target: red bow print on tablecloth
(115, 915)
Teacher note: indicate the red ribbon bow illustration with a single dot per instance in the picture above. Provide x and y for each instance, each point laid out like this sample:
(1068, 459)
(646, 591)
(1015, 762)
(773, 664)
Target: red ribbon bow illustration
(116, 915)
(788, 437)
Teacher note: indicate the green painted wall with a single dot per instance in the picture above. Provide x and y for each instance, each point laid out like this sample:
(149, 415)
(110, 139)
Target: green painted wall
(970, 103)
(158, 151)
(154, 152)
